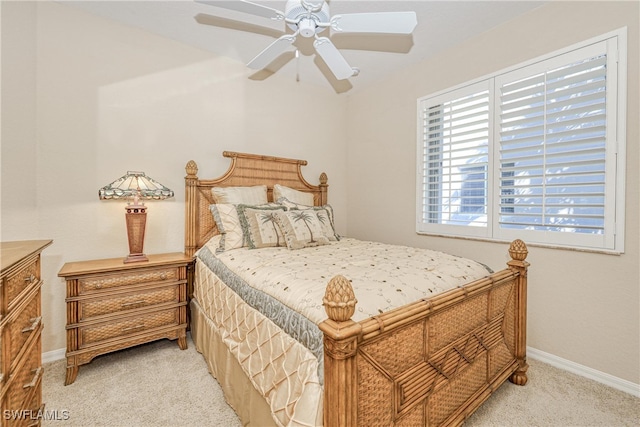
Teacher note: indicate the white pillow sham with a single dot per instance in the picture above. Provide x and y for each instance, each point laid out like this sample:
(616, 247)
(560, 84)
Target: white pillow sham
(295, 196)
(256, 195)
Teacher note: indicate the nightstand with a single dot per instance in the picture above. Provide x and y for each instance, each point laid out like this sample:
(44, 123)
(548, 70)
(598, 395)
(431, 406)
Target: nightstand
(112, 305)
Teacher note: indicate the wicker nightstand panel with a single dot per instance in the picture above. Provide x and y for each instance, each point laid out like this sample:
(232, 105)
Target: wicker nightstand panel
(108, 281)
(24, 277)
(98, 307)
(102, 332)
(25, 325)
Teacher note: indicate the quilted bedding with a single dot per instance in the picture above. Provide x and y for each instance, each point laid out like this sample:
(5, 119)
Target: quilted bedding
(268, 302)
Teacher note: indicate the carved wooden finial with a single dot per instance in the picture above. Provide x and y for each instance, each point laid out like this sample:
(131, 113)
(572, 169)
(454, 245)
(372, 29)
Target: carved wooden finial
(339, 300)
(192, 169)
(323, 178)
(518, 250)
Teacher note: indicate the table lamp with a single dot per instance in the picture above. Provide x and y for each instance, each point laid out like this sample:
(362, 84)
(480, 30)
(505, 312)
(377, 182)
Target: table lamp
(136, 186)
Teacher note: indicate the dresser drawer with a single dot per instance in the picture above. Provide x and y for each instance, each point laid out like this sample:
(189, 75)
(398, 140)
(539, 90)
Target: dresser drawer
(108, 281)
(115, 304)
(91, 335)
(26, 325)
(18, 282)
(26, 381)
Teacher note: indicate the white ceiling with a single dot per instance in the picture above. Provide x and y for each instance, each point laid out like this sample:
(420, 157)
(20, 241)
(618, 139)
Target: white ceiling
(441, 24)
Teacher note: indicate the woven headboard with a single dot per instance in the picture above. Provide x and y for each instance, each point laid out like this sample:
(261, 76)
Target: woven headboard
(245, 170)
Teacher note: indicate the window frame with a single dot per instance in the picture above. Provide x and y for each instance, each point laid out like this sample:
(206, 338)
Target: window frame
(612, 240)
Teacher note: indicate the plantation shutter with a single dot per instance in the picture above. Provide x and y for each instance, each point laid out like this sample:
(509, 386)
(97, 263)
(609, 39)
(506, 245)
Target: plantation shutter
(455, 159)
(553, 146)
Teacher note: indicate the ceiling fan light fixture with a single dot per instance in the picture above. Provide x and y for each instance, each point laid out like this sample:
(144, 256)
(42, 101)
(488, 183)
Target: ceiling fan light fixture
(299, 14)
(307, 27)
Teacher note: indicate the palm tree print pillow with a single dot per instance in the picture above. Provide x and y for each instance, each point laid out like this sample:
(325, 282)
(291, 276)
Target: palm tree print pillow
(260, 226)
(301, 228)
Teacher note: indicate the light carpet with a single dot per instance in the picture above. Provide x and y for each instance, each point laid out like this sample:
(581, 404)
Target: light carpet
(157, 385)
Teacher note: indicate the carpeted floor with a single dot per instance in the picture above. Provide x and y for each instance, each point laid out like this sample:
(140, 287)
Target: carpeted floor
(157, 384)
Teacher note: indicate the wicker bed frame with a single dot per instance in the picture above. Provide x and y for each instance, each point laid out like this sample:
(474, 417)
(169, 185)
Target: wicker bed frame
(431, 362)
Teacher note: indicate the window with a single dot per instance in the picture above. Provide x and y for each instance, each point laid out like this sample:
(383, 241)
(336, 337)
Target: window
(551, 132)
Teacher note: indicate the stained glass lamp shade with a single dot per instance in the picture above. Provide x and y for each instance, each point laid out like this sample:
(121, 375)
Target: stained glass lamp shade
(135, 186)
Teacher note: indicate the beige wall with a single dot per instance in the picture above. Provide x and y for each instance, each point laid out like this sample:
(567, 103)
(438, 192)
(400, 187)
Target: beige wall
(18, 101)
(112, 98)
(583, 307)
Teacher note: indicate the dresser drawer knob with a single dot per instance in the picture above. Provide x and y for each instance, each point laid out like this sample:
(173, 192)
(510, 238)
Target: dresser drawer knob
(98, 285)
(129, 304)
(30, 278)
(36, 321)
(163, 276)
(33, 382)
(133, 328)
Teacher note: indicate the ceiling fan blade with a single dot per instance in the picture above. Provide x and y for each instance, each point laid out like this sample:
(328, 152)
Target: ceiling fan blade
(333, 58)
(272, 51)
(246, 7)
(378, 22)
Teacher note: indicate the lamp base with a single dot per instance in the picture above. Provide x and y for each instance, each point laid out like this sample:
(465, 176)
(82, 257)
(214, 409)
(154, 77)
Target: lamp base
(136, 221)
(135, 258)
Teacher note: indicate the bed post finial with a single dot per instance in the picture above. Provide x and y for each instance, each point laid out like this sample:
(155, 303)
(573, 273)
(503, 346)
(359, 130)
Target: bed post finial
(518, 250)
(339, 300)
(192, 169)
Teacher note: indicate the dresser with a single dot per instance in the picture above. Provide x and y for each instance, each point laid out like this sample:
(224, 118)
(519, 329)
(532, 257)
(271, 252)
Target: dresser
(20, 332)
(112, 305)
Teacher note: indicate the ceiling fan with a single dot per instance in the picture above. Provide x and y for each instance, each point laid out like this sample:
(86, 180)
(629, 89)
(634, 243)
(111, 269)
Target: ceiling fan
(308, 18)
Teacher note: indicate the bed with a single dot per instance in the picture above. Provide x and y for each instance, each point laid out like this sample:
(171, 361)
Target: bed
(430, 361)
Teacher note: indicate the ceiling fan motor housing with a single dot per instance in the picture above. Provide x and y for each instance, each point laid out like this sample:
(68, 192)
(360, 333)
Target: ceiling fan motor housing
(307, 20)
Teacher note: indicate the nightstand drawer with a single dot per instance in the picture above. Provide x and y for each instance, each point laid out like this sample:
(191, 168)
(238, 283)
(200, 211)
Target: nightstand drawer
(108, 281)
(91, 335)
(115, 304)
(18, 282)
(26, 325)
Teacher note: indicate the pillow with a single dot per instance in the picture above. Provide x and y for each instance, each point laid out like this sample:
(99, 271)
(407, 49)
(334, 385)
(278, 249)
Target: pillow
(256, 195)
(295, 196)
(226, 217)
(301, 228)
(260, 226)
(325, 215)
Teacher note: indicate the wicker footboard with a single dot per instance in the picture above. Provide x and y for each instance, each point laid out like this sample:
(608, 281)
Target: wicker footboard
(432, 362)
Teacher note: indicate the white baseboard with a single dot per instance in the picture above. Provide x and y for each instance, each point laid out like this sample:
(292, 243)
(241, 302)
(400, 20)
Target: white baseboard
(548, 358)
(584, 371)
(53, 355)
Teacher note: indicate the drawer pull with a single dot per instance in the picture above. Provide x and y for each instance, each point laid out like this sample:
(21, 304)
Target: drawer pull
(30, 278)
(36, 321)
(129, 304)
(33, 382)
(133, 328)
(98, 285)
(163, 276)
